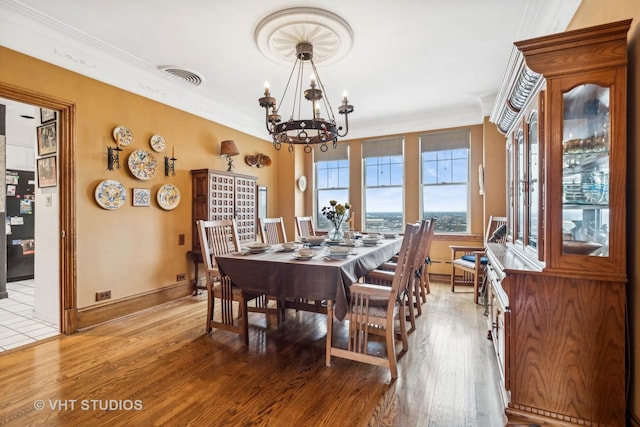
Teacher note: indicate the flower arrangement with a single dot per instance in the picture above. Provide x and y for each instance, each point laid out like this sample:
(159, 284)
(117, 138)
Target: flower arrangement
(336, 214)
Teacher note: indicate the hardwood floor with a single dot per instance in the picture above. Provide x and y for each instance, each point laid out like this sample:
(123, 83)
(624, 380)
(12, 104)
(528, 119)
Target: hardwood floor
(159, 368)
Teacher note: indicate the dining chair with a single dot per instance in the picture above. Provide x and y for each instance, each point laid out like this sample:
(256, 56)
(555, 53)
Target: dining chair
(374, 309)
(470, 260)
(423, 271)
(304, 226)
(220, 237)
(384, 274)
(272, 230)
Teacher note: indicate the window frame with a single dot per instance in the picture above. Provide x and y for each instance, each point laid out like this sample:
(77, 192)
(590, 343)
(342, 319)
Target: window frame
(384, 149)
(443, 142)
(339, 155)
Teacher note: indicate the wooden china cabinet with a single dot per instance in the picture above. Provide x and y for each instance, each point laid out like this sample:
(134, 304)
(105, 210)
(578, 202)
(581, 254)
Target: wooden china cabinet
(222, 195)
(558, 286)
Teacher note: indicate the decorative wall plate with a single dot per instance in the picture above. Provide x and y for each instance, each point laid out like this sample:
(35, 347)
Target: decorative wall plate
(302, 183)
(168, 197)
(158, 143)
(122, 135)
(110, 194)
(143, 164)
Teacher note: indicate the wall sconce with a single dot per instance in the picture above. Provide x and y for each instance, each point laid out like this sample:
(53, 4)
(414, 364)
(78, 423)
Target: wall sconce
(170, 163)
(113, 157)
(169, 166)
(228, 149)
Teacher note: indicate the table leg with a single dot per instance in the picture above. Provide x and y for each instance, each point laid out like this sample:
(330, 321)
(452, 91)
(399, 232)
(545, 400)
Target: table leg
(329, 330)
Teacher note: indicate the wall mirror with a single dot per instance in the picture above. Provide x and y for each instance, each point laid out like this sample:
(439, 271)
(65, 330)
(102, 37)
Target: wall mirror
(262, 203)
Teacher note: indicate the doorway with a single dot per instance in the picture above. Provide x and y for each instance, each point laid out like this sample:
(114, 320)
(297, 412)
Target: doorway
(63, 234)
(26, 314)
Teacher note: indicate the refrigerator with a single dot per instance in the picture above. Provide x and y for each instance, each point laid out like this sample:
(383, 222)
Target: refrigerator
(19, 224)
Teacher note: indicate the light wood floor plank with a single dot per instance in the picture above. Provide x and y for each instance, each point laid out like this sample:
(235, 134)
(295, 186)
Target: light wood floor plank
(182, 376)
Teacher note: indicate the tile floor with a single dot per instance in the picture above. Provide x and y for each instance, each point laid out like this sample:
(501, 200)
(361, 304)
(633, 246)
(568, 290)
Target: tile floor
(17, 325)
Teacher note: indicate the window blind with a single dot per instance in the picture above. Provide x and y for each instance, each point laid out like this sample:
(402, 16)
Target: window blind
(445, 140)
(341, 152)
(382, 147)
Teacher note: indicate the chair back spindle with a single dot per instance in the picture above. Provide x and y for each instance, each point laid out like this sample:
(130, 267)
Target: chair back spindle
(304, 226)
(272, 230)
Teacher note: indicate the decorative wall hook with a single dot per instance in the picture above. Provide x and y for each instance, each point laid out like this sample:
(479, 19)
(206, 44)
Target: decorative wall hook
(258, 161)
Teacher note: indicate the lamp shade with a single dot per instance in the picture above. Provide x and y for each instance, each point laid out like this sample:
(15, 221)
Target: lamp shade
(228, 148)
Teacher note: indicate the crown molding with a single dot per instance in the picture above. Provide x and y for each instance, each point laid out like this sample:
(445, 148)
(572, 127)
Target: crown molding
(34, 34)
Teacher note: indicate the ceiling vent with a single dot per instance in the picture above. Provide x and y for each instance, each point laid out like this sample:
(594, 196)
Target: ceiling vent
(188, 76)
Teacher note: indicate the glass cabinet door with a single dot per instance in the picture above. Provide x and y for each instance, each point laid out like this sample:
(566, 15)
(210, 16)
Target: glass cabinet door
(585, 177)
(510, 190)
(534, 182)
(521, 186)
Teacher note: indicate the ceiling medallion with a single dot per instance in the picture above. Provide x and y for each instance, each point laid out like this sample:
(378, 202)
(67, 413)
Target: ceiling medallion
(278, 34)
(308, 36)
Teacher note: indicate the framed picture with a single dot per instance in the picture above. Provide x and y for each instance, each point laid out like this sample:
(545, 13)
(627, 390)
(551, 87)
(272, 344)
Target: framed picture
(47, 115)
(141, 197)
(47, 139)
(47, 172)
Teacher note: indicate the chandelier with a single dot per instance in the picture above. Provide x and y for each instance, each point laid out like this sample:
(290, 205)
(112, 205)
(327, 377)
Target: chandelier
(314, 130)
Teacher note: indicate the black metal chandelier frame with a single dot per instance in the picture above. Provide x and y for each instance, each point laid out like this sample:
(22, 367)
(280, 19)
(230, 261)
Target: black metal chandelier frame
(297, 131)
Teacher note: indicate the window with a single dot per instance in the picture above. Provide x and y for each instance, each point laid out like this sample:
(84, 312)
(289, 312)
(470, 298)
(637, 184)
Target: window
(331, 180)
(383, 184)
(445, 180)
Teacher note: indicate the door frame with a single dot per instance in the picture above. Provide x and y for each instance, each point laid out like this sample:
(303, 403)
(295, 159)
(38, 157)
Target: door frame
(67, 243)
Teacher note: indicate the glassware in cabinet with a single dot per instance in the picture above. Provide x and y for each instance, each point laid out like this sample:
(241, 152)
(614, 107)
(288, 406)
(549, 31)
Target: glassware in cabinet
(585, 177)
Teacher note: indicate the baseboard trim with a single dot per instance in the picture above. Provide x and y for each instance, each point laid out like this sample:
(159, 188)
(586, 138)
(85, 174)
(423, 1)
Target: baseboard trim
(91, 316)
(440, 278)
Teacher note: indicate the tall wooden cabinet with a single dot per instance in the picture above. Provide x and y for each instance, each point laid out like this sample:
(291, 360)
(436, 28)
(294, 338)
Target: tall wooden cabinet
(224, 195)
(558, 286)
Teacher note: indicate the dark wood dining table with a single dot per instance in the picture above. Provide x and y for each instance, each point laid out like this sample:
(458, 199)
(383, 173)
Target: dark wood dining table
(277, 273)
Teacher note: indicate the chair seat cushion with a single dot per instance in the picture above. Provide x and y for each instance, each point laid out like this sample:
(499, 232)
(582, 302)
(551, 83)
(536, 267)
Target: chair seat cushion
(468, 265)
(472, 258)
(377, 308)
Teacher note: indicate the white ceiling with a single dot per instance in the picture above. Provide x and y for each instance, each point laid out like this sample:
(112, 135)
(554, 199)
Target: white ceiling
(414, 64)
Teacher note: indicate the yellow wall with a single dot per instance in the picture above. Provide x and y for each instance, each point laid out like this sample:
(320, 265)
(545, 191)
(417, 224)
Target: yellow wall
(134, 249)
(595, 12)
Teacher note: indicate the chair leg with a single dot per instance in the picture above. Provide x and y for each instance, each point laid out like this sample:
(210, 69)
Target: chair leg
(210, 307)
(475, 287)
(426, 284)
(403, 332)
(417, 296)
(329, 331)
(391, 343)
(453, 278)
(245, 320)
(411, 315)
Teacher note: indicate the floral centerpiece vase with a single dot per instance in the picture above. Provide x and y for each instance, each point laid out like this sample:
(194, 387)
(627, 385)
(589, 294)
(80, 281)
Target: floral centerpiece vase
(336, 213)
